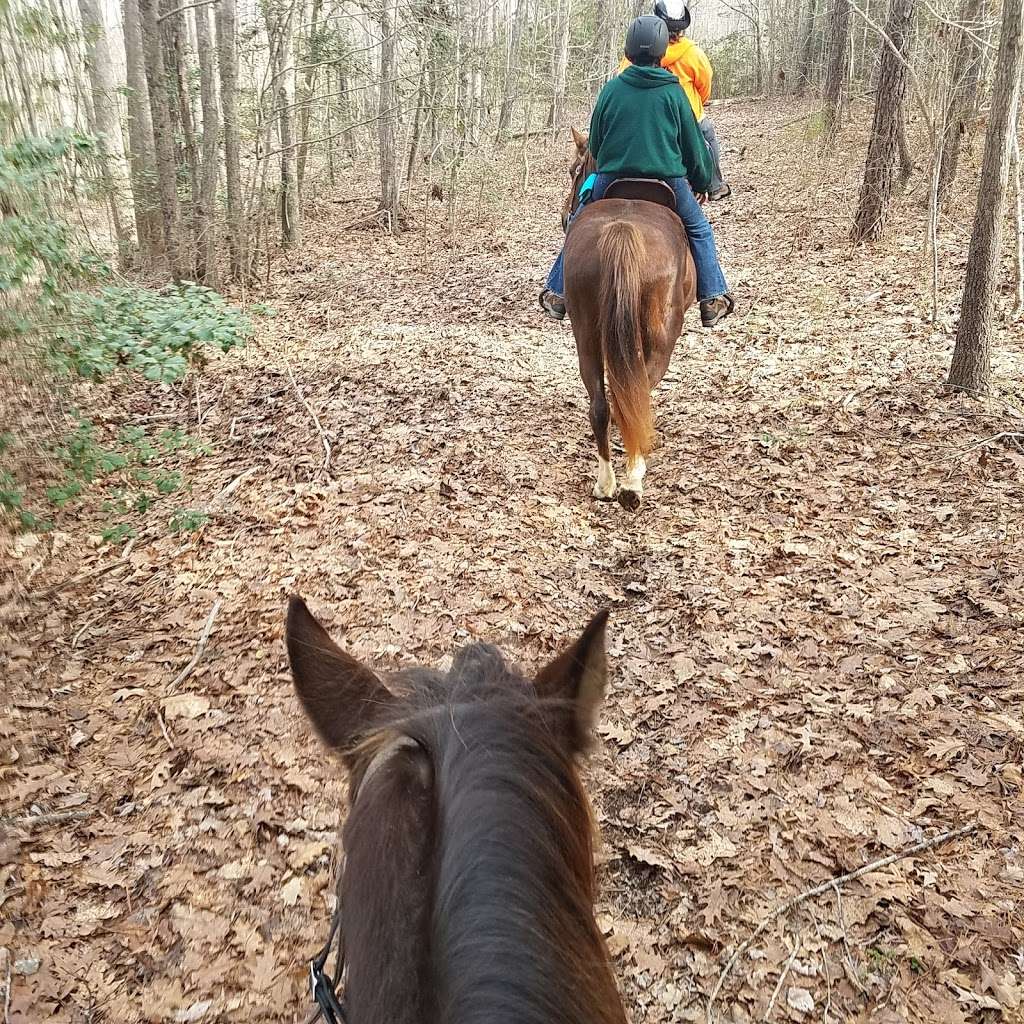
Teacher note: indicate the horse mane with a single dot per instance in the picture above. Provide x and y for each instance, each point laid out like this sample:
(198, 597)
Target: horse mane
(511, 935)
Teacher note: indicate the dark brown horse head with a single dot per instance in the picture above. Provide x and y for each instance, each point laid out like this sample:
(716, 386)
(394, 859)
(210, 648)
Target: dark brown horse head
(468, 886)
(581, 164)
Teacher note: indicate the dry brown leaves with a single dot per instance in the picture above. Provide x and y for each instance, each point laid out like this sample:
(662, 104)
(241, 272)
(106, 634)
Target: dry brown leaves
(817, 632)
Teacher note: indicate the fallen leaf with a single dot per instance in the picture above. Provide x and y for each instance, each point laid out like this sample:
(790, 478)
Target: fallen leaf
(185, 705)
(800, 999)
(291, 891)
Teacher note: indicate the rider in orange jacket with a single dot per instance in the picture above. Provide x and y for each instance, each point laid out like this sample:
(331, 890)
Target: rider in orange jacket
(690, 64)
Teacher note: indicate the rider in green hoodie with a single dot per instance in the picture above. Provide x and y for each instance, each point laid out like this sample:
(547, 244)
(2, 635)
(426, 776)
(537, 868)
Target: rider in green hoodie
(643, 127)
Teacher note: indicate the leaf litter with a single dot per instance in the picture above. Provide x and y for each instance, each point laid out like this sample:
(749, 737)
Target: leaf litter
(816, 646)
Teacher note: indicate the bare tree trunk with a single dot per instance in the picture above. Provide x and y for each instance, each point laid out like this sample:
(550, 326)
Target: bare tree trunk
(963, 99)
(886, 128)
(227, 60)
(291, 224)
(1018, 224)
(389, 183)
(346, 112)
(206, 208)
(561, 64)
(106, 118)
(166, 167)
(906, 157)
(806, 62)
(511, 76)
(417, 121)
(308, 84)
(835, 71)
(175, 33)
(971, 367)
(142, 147)
(28, 106)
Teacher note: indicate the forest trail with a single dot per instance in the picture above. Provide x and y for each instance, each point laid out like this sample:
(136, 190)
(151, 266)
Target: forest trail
(816, 635)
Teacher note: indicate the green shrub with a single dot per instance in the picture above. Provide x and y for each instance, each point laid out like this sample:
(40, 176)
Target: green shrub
(61, 310)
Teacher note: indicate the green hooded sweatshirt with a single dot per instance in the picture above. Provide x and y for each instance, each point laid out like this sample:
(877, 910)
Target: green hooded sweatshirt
(643, 126)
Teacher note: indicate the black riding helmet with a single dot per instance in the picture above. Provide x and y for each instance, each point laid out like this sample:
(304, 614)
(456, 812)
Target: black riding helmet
(646, 41)
(675, 14)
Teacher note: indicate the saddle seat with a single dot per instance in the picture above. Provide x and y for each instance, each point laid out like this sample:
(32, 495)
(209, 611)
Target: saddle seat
(649, 190)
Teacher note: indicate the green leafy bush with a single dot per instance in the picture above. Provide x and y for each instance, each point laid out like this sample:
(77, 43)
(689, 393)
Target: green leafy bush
(158, 334)
(61, 310)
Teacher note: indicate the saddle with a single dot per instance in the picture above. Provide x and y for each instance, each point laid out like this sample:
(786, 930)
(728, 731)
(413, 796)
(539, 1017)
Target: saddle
(650, 190)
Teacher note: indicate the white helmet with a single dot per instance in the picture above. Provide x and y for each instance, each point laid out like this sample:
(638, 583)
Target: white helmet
(675, 14)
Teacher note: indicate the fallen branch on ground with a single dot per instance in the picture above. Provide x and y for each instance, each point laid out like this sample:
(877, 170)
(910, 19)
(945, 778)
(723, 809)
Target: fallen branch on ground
(73, 581)
(782, 979)
(53, 818)
(832, 883)
(200, 647)
(1003, 435)
(219, 498)
(314, 417)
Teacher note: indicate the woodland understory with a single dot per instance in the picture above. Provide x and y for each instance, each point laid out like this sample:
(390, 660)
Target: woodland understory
(817, 634)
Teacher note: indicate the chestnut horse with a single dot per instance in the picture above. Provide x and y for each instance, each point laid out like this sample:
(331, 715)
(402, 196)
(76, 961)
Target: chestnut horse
(467, 889)
(629, 280)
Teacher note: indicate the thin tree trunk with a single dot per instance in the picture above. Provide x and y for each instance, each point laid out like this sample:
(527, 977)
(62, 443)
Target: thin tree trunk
(511, 77)
(308, 84)
(106, 118)
(835, 71)
(417, 121)
(963, 98)
(561, 64)
(806, 62)
(166, 167)
(346, 114)
(206, 208)
(386, 119)
(288, 199)
(906, 157)
(227, 61)
(971, 366)
(28, 106)
(1018, 224)
(174, 28)
(886, 128)
(142, 146)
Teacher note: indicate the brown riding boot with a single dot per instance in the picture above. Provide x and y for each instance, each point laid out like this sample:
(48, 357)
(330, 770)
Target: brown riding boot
(552, 304)
(713, 310)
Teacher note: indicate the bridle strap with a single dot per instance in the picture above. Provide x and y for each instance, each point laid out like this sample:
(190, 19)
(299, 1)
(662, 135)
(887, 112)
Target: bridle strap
(322, 986)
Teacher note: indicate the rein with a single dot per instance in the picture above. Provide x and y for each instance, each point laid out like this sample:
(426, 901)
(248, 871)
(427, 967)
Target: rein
(323, 987)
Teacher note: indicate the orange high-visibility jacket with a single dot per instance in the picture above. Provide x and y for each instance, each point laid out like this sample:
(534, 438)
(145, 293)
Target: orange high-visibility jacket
(689, 63)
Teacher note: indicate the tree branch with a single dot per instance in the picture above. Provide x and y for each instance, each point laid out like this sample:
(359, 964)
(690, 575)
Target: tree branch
(817, 890)
(187, 7)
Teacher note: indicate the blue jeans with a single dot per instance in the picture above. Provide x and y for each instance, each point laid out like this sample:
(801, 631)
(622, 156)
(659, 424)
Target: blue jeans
(710, 279)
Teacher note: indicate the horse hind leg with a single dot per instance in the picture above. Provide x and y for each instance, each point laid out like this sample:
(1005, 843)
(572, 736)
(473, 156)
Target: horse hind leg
(632, 491)
(600, 417)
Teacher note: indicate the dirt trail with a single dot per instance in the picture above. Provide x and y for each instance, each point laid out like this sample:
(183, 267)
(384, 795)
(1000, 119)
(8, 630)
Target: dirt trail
(816, 641)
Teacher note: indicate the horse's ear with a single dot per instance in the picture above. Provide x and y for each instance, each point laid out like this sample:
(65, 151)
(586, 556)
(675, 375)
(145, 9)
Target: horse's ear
(340, 696)
(580, 139)
(579, 675)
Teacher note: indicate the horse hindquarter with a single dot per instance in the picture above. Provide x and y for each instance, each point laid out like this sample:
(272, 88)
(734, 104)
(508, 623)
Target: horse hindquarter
(629, 280)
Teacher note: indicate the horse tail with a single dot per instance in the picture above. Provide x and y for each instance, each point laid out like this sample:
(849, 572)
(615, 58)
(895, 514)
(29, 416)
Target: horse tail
(622, 253)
